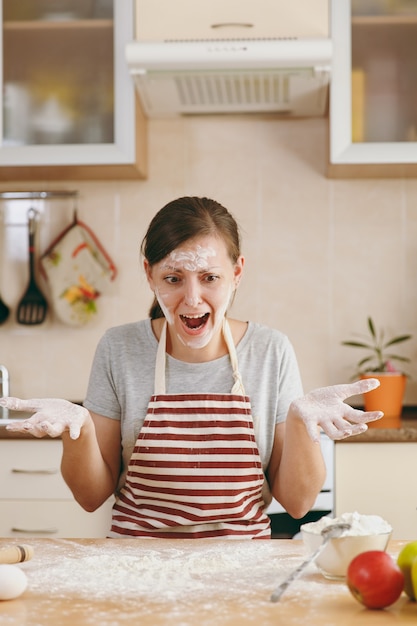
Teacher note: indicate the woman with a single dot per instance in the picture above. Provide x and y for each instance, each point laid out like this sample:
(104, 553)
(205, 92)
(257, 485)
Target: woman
(194, 420)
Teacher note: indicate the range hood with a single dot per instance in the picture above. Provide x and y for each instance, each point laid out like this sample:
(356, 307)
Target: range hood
(289, 76)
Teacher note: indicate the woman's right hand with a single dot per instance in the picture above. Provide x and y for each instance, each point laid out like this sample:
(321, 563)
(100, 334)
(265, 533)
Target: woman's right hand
(51, 416)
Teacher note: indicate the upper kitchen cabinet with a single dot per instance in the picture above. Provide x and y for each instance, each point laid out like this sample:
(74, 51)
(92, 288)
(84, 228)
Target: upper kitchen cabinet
(69, 109)
(373, 91)
(216, 19)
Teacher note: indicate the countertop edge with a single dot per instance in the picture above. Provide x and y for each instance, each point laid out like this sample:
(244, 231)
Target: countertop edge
(407, 433)
(376, 433)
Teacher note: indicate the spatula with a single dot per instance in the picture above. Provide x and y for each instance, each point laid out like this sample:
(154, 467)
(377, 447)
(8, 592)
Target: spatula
(33, 306)
(330, 532)
(4, 311)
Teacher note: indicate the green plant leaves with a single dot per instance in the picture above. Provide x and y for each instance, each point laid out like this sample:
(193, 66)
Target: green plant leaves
(378, 360)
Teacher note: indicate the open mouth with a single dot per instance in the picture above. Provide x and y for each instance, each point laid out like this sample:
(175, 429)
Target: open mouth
(195, 322)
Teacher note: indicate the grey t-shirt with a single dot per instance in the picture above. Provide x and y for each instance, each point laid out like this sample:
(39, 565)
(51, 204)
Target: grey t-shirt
(122, 379)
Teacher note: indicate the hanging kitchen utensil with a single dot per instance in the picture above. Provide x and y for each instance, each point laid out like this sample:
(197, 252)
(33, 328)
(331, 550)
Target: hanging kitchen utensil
(4, 311)
(33, 306)
(79, 271)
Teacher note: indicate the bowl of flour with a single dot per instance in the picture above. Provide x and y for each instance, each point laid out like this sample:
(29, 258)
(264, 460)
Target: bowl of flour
(366, 532)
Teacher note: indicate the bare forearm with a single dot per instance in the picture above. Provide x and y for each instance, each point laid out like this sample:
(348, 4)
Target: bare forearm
(84, 469)
(301, 472)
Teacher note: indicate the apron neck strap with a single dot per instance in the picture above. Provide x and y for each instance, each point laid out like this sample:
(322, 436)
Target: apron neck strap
(160, 364)
(159, 383)
(238, 387)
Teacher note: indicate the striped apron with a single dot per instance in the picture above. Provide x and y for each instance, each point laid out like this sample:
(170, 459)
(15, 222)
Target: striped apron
(195, 470)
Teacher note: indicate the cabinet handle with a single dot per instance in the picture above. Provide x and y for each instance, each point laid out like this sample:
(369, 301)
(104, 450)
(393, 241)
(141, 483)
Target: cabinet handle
(35, 531)
(17, 470)
(232, 24)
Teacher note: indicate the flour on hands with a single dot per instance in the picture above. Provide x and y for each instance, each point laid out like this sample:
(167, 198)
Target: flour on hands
(51, 416)
(325, 408)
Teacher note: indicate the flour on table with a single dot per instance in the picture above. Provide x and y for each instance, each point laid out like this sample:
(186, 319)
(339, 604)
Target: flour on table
(236, 569)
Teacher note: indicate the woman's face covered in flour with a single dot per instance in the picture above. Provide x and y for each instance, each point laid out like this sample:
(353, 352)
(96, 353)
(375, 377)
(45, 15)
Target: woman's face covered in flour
(194, 285)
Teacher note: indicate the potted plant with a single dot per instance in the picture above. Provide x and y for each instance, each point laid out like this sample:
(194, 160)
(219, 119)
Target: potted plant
(379, 363)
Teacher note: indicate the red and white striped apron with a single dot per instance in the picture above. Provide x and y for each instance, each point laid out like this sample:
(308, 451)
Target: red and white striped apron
(195, 470)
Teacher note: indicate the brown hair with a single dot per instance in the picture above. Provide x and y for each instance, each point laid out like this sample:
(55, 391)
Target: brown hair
(181, 220)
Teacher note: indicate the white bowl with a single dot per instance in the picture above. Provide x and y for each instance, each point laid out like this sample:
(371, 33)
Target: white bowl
(339, 552)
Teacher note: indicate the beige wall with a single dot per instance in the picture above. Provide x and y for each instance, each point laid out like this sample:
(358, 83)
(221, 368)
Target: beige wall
(321, 254)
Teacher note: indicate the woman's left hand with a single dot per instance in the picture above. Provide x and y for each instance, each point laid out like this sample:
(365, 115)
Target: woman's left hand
(325, 408)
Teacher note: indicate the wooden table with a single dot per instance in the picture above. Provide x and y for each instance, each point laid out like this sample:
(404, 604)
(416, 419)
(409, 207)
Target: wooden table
(113, 582)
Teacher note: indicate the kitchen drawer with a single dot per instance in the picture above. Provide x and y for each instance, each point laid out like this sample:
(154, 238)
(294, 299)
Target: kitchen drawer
(32, 468)
(58, 518)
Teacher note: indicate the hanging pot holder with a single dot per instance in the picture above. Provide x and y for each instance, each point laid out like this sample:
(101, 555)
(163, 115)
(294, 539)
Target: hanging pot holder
(78, 271)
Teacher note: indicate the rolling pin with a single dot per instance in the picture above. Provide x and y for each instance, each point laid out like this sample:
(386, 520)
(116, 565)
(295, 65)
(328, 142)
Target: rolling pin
(16, 554)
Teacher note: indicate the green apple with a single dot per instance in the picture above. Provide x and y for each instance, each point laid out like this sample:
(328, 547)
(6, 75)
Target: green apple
(414, 577)
(406, 559)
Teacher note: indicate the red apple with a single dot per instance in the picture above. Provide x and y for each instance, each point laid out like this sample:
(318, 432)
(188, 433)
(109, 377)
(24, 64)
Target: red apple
(374, 579)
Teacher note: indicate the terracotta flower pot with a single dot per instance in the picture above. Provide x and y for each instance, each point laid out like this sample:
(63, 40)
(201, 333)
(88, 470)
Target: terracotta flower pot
(388, 397)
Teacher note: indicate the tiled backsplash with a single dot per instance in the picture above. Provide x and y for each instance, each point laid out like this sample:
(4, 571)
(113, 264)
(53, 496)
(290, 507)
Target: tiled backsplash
(321, 255)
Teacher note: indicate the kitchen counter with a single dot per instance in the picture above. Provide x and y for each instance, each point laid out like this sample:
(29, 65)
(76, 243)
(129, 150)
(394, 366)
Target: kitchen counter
(406, 433)
(114, 582)
(5, 434)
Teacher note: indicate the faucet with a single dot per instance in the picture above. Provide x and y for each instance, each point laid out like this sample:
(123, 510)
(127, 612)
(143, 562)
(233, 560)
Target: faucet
(4, 381)
(5, 388)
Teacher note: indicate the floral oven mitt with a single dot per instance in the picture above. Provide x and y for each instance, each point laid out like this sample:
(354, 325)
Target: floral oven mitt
(78, 271)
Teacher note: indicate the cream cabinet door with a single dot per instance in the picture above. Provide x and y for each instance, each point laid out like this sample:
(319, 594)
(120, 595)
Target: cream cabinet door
(31, 469)
(52, 518)
(159, 20)
(378, 479)
(34, 498)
